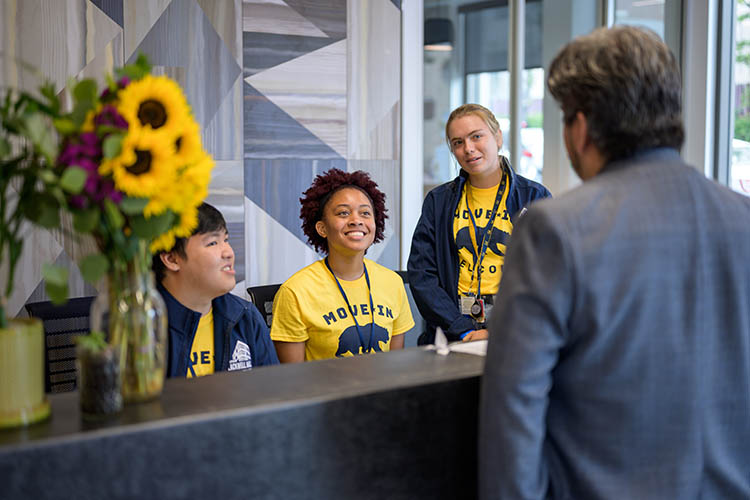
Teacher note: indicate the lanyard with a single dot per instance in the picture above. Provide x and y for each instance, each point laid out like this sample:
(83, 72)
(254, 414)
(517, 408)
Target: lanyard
(487, 234)
(356, 325)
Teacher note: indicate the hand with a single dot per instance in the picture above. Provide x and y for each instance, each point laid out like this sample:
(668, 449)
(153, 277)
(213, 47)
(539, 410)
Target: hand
(476, 335)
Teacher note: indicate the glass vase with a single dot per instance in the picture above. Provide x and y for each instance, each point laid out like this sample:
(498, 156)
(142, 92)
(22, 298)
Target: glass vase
(99, 382)
(133, 317)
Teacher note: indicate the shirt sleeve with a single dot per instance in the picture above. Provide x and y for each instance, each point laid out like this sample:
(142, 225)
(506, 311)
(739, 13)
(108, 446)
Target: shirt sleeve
(404, 321)
(287, 324)
(528, 327)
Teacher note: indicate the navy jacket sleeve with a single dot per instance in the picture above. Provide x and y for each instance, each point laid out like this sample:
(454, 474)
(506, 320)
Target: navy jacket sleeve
(265, 353)
(436, 305)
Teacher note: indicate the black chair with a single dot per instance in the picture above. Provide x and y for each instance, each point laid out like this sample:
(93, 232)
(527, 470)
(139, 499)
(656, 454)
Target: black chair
(262, 296)
(61, 325)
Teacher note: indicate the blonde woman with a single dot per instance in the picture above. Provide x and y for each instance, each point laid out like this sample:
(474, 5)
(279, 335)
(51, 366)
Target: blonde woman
(458, 248)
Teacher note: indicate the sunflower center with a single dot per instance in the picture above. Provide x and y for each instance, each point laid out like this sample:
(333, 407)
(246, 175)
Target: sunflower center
(152, 112)
(142, 163)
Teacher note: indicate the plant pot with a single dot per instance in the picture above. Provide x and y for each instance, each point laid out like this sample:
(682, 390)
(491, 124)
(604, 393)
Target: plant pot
(99, 382)
(133, 316)
(22, 398)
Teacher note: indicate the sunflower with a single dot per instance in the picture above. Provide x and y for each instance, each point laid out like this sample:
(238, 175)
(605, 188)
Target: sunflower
(156, 103)
(188, 143)
(163, 243)
(144, 166)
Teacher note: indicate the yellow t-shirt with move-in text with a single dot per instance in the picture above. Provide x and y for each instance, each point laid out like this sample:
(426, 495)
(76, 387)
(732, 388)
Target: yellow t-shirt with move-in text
(481, 201)
(201, 360)
(309, 308)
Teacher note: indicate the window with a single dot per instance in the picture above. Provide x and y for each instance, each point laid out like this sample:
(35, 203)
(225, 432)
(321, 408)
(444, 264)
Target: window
(739, 177)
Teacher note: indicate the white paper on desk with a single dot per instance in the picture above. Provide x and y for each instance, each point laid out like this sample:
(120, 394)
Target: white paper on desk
(476, 347)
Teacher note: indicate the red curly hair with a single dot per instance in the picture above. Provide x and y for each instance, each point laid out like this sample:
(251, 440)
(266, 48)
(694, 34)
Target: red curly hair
(323, 187)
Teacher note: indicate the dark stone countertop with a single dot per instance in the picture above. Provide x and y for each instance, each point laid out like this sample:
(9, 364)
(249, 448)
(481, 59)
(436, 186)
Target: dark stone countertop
(407, 418)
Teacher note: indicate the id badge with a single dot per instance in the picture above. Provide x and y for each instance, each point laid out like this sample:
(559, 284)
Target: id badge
(477, 310)
(466, 302)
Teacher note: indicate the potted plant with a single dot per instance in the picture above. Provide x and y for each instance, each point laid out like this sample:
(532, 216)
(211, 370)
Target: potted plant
(126, 162)
(28, 148)
(135, 150)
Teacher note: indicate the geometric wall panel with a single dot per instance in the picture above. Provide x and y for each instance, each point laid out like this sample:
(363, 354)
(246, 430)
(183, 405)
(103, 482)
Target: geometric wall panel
(183, 37)
(277, 185)
(330, 16)
(271, 133)
(266, 50)
(113, 8)
(317, 101)
(275, 253)
(274, 16)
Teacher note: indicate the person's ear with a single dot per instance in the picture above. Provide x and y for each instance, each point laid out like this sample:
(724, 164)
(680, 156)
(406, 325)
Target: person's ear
(169, 259)
(499, 139)
(320, 227)
(579, 133)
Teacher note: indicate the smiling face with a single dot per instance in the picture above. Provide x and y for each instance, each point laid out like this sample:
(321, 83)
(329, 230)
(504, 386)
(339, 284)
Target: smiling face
(208, 267)
(348, 222)
(476, 147)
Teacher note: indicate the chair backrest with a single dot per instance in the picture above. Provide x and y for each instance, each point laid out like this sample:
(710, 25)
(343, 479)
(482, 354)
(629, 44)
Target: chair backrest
(61, 325)
(262, 296)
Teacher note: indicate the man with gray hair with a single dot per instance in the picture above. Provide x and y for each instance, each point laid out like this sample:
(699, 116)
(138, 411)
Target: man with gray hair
(618, 363)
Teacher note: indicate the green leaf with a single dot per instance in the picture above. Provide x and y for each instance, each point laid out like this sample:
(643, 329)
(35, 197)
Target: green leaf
(137, 70)
(133, 206)
(93, 267)
(150, 228)
(48, 176)
(85, 90)
(113, 214)
(64, 125)
(84, 221)
(43, 210)
(4, 148)
(58, 294)
(112, 145)
(93, 342)
(35, 127)
(48, 91)
(57, 275)
(73, 179)
(41, 135)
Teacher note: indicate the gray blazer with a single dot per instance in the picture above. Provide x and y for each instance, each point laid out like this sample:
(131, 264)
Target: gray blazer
(618, 363)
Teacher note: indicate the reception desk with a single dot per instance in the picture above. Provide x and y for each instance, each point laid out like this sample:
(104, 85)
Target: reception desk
(398, 425)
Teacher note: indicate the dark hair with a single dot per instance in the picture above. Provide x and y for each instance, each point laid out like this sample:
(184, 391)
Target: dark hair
(209, 220)
(323, 187)
(626, 83)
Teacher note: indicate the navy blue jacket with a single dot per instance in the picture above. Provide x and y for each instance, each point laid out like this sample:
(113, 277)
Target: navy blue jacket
(433, 260)
(241, 339)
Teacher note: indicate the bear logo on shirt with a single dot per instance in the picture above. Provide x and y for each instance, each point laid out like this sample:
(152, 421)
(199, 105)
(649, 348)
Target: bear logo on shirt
(349, 339)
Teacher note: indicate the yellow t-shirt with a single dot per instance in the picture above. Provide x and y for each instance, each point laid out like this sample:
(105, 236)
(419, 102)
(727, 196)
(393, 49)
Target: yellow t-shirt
(481, 201)
(202, 353)
(309, 308)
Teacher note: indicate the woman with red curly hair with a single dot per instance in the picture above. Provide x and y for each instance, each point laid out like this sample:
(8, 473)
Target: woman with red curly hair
(343, 304)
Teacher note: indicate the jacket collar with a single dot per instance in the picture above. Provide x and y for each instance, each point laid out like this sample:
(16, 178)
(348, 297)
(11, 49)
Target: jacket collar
(179, 317)
(184, 319)
(651, 155)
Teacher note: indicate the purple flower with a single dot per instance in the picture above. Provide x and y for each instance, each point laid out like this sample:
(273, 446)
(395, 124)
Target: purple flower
(109, 116)
(106, 95)
(78, 201)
